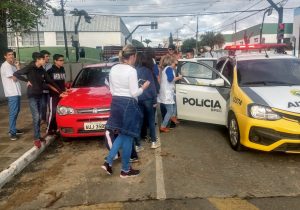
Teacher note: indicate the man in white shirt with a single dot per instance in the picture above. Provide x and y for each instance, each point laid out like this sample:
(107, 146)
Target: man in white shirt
(12, 90)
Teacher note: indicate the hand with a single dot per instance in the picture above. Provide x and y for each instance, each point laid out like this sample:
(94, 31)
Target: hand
(63, 94)
(179, 76)
(29, 84)
(145, 85)
(154, 105)
(14, 78)
(68, 90)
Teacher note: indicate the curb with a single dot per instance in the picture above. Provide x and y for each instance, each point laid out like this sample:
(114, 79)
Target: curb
(17, 166)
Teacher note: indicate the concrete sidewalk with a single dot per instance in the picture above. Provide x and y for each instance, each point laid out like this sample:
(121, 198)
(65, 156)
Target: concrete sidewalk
(11, 151)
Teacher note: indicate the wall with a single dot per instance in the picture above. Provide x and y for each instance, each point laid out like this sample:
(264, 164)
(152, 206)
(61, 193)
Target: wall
(50, 38)
(93, 39)
(296, 30)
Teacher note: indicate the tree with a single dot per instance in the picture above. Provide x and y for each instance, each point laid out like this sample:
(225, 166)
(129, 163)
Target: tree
(79, 13)
(19, 16)
(212, 39)
(147, 41)
(188, 44)
(137, 43)
(171, 39)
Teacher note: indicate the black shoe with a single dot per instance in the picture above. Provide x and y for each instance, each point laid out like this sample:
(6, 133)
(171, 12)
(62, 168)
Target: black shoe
(19, 132)
(130, 173)
(13, 137)
(107, 168)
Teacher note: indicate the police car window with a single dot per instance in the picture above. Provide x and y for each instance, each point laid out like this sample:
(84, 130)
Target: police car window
(92, 77)
(269, 72)
(195, 70)
(228, 71)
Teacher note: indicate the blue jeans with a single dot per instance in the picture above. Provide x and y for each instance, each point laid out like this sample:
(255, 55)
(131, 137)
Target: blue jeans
(146, 107)
(125, 142)
(14, 104)
(171, 111)
(35, 104)
(44, 106)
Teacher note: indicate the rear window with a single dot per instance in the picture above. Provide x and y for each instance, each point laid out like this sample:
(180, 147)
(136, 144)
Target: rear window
(269, 72)
(92, 77)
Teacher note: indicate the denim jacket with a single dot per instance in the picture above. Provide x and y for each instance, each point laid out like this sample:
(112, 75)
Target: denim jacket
(125, 116)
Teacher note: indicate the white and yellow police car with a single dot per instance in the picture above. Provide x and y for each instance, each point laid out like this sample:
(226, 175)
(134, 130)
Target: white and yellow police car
(255, 94)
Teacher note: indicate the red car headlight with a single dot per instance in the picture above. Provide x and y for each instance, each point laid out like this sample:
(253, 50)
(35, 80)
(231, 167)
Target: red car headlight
(63, 110)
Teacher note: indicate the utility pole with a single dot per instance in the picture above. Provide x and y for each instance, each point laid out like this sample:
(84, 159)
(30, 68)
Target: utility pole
(64, 26)
(280, 16)
(197, 36)
(38, 35)
(235, 32)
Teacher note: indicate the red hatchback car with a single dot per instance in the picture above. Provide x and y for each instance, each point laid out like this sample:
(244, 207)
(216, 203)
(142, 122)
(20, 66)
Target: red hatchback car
(84, 112)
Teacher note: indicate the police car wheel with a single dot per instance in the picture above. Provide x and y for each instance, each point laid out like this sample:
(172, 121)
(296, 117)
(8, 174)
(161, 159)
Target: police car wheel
(234, 133)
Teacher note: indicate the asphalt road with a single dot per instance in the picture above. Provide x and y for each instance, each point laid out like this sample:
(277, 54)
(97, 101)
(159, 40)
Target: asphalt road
(194, 169)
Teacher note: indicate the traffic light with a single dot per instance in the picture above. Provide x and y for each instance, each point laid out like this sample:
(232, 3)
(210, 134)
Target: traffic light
(153, 25)
(280, 33)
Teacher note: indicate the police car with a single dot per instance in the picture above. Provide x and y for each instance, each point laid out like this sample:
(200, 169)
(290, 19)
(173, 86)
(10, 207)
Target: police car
(255, 94)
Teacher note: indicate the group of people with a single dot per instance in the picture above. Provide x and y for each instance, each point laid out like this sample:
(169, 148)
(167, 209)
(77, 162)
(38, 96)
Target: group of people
(45, 86)
(137, 85)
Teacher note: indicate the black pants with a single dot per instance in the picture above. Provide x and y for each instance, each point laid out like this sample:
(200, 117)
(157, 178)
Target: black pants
(52, 126)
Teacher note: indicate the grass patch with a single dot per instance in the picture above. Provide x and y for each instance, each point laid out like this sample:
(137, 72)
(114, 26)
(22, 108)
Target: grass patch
(92, 55)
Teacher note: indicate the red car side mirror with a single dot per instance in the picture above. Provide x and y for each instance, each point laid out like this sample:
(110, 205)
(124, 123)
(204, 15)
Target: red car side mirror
(68, 85)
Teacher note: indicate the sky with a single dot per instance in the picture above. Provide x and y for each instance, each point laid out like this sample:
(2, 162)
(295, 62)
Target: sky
(179, 17)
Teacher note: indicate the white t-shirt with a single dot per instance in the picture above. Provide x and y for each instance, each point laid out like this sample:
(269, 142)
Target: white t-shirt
(11, 88)
(123, 81)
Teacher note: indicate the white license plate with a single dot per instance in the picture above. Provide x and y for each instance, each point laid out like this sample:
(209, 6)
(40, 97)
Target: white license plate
(94, 126)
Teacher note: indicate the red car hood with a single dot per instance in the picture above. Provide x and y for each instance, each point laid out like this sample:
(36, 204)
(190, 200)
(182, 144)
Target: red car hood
(93, 97)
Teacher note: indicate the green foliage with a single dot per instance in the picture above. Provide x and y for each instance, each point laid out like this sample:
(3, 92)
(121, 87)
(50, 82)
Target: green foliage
(212, 39)
(188, 44)
(22, 15)
(137, 43)
(147, 41)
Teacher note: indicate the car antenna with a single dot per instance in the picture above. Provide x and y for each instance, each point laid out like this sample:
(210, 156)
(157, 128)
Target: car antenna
(267, 56)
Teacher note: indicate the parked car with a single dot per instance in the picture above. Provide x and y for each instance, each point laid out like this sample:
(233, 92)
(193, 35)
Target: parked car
(254, 93)
(84, 112)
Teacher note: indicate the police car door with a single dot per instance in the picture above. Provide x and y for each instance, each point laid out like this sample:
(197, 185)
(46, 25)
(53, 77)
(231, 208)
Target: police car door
(202, 93)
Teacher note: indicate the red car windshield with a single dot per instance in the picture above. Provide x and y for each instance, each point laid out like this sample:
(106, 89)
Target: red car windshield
(92, 77)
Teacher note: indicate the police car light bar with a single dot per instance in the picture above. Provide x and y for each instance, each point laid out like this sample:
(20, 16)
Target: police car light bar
(254, 46)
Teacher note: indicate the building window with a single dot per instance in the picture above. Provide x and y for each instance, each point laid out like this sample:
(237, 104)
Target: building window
(60, 38)
(11, 39)
(256, 40)
(31, 39)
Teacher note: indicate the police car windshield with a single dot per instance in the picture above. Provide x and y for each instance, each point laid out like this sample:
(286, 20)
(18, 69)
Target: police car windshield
(92, 77)
(269, 72)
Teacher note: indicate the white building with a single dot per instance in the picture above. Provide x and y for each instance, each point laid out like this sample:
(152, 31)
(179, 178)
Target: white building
(269, 34)
(103, 30)
(296, 31)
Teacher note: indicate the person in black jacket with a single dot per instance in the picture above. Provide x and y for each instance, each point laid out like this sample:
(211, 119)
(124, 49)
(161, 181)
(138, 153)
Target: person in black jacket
(36, 78)
(58, 75)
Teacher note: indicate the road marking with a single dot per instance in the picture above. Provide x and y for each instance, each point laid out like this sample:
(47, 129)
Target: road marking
(232, 204)
(160, 182)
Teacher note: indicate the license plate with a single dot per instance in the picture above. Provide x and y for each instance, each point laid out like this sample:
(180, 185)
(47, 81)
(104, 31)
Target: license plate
(94, 126)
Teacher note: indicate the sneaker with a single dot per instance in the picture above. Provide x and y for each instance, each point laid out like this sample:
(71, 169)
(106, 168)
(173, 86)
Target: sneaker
(130, 173)
(155, 145)
(107, 168)
(134, 160)
(13, 137)
(164, 130)
(19, 132)
(37, 143)
(139, 148)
